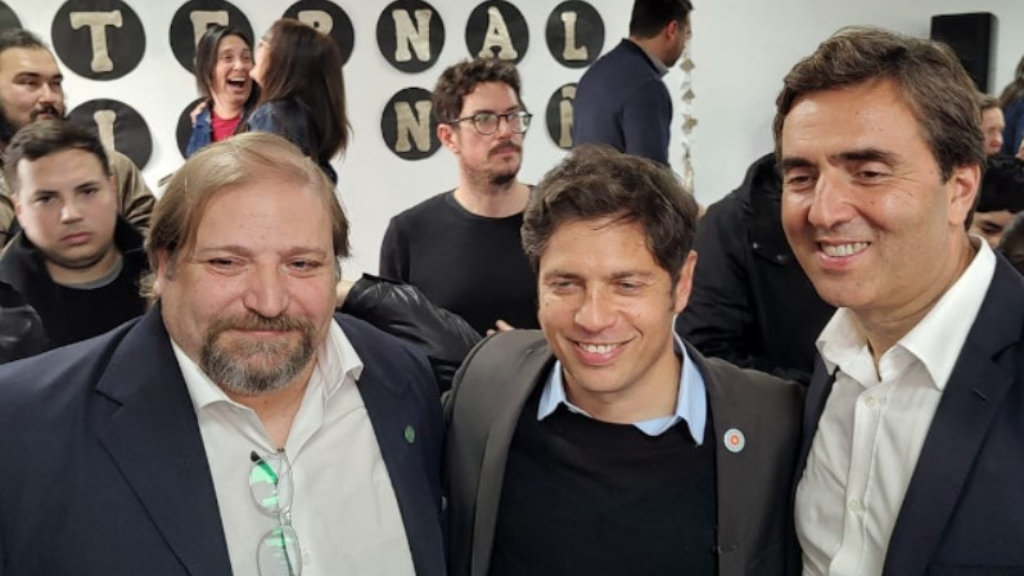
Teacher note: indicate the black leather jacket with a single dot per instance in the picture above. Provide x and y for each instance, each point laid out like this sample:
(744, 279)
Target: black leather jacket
(403, 311)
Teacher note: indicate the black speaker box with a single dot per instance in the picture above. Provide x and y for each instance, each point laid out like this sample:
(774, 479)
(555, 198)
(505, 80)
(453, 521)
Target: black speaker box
(970, 36)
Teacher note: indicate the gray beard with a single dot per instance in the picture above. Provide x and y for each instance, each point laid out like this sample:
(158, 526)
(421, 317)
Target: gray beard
(277, 362)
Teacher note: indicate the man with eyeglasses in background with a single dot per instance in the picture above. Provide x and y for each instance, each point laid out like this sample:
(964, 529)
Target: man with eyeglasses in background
(462, 248)
(240, 426)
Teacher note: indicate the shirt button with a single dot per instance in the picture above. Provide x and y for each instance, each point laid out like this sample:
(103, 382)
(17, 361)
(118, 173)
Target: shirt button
(855, 506)
(871, 402)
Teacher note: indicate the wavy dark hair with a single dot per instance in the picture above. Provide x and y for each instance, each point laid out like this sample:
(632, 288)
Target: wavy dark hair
(305, 66)
(596, 181)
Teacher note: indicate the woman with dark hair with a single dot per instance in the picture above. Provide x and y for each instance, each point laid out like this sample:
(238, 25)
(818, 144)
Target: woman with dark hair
(302, 91)
(222, 66)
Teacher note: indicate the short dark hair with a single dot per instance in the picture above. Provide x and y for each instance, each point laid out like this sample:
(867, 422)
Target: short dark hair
(460, 79)
(19, 38)
(305, 65)
(927, 74)
(596, 181)
(39, 139)
(206, 54)
(1002, 187)
(650, 17)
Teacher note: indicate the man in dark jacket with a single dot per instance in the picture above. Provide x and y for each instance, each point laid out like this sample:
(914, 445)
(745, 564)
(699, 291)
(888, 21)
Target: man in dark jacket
(76, 261)
(752, 304)
(621, 101)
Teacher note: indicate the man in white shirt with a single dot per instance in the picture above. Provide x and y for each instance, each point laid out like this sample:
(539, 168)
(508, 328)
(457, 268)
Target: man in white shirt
(240, 426)
(912, 458)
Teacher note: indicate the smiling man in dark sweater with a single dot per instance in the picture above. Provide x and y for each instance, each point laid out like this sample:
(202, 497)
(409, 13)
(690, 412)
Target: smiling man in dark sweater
(604, 444)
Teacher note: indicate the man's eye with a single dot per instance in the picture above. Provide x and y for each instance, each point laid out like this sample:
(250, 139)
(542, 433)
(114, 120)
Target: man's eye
(223, 263)
(305, 265)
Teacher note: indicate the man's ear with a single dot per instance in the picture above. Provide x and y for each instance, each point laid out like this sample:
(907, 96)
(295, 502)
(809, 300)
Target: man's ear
(681, 291)
(446, 134)
(963, 187)
(164, 272)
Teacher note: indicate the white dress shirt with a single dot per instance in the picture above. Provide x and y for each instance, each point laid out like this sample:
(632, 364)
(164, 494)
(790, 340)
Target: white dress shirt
(874, 425)
(344, 509)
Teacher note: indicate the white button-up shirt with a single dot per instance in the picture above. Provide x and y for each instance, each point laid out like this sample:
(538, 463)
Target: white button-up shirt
(874, 425)
(344, 510)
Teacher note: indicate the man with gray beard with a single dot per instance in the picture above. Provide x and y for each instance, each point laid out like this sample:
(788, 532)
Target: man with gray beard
(240, 426)
(461, 248)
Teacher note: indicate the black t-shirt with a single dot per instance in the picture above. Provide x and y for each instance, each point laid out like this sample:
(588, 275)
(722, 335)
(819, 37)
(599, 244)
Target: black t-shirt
(471, 265)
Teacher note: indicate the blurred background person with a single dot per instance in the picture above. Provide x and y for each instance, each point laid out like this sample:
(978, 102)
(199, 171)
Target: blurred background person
(1000, 198)
(993, 124)
(1012, 243)
(222, 66)
(302, 91)
(1012, 101)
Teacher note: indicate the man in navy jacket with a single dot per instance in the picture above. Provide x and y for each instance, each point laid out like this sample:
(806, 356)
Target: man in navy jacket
(621, 101)
(240, 426)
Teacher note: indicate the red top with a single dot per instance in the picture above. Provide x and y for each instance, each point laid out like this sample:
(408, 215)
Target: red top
(223, 128)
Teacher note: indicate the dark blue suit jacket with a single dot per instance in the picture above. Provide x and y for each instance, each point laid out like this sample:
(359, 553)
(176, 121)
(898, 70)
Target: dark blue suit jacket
(622, 101)
(104, 470)
(964, 508)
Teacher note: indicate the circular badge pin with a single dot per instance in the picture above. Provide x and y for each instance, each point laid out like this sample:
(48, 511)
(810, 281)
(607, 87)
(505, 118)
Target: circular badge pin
(734, 440)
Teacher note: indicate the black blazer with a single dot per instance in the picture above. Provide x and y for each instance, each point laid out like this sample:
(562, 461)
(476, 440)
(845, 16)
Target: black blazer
(105, 470)
(964, 508)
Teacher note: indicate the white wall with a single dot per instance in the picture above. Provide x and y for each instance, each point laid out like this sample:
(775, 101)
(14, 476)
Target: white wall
(742, 49)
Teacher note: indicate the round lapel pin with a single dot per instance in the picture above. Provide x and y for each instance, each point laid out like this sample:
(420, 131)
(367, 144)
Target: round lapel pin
(734, 440)
(410, 434)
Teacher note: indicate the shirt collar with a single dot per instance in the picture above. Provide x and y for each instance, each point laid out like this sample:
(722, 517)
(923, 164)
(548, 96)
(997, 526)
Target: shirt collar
(658, 64)
(691, 402)
(336, 358)
(945, 327)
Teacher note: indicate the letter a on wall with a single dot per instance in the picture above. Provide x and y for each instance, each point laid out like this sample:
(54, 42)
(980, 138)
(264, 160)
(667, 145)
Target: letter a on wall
(98, 39)
(410, 35)
(497, 29)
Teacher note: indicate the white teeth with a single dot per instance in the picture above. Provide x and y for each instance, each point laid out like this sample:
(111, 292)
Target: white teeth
(598, 348)
(840, 250)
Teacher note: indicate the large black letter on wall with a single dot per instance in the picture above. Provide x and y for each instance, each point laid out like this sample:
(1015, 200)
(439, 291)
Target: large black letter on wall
(98, 39)
(410, 35)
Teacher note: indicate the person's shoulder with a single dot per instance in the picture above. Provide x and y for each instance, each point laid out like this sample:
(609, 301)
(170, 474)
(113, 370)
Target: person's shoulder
(51, 378)
(511, 347)
(425, 210)
(378, 347)
(753, 386)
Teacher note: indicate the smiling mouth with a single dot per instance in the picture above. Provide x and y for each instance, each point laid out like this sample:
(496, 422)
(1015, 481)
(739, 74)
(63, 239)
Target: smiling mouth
(237, 83)
(597, 348)
(843, 250)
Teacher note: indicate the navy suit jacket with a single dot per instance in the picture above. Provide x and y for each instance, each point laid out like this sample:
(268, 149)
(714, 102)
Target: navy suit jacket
(964, 508)
(104, 470)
